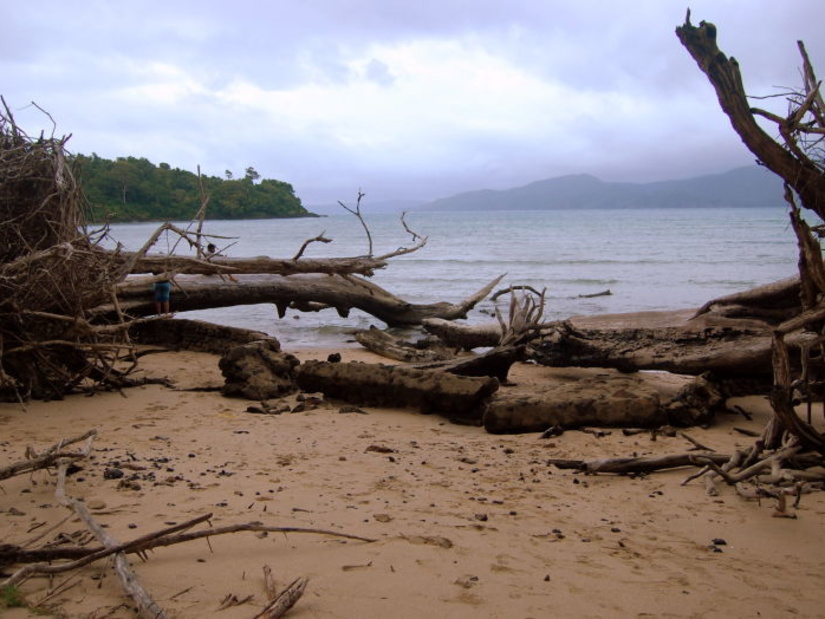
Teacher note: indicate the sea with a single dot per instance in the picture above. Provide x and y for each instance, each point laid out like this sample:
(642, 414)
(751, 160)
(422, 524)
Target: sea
(587, 261)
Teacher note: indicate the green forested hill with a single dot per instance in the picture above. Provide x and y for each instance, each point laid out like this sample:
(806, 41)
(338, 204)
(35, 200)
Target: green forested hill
(132, 189)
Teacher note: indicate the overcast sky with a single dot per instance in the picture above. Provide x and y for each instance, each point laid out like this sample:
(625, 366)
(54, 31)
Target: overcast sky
(402, 99)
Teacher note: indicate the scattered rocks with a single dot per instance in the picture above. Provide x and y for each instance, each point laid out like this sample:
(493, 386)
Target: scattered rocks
(113, 473)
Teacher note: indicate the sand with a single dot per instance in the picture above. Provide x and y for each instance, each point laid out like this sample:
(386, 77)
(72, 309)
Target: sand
(466, 524)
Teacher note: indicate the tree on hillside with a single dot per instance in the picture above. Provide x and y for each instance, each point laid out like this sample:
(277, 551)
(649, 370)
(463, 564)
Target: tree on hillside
(134, 189)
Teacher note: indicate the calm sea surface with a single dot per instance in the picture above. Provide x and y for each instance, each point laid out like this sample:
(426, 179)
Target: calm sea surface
(649, 259)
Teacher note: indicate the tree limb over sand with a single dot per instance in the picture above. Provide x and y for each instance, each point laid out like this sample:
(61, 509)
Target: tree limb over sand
(304, 292)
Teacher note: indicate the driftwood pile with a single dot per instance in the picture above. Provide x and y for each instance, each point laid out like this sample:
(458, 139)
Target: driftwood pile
(68, 305)
(51, 270)
(787, 459)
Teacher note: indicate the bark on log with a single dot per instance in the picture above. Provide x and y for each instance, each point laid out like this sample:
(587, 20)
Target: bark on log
(305, 292)
(461, 398)
(726, 347)
(576, 398)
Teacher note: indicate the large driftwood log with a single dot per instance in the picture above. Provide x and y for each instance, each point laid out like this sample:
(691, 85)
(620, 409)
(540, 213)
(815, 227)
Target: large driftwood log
(160, 263)
(575, 398)
(669, 341)
(305, 292)
(461, 398)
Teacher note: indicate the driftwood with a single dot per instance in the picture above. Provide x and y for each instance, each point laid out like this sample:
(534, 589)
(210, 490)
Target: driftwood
(284, 600)
(457, 397)
(789, 161)
(575, 398)
(773, 303)
(792, 312)
(42, 561)
(162, 263)
(306, 292)
(795, 156)
(146, 606)
(47, 459)
(496, 363)
(39, 560)
(638, 465)
(384, 344)
(461, 336)
(727, 348)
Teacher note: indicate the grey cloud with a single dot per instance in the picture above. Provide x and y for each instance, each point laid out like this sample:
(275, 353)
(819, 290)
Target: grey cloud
(82, 62)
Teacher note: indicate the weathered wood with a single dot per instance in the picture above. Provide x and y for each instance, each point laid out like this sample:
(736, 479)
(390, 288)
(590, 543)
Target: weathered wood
(382, 343)
(723, 73)
(161, 263)
(726, 347)
(48, 459)
(773, 302)
(496, 363)
(461, 336)
(639, 465)
(603, 398)
(147, 608)
(456, 397)
(284, 600)
(305, 292)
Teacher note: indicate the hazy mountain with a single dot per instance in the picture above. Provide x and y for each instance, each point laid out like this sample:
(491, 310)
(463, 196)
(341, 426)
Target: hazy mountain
(749, 186)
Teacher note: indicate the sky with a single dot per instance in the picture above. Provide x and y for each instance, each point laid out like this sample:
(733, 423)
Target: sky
(401, 100)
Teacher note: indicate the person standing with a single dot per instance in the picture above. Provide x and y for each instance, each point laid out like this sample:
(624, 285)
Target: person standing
(162, 290)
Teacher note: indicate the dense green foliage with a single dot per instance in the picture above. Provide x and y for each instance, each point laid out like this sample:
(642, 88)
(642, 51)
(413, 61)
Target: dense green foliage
(132, 189)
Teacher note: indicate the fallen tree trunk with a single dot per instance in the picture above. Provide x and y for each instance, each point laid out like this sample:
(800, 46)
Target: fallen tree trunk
(668, 341)
(160, 263)
(462, 398)
(774, 302)
(576, 397)
(304, 292)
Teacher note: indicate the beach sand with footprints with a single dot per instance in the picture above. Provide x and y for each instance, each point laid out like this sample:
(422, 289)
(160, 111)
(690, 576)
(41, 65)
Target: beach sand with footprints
(464, 523)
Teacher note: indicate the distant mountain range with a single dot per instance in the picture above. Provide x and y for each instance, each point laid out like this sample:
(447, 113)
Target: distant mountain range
(743, 187)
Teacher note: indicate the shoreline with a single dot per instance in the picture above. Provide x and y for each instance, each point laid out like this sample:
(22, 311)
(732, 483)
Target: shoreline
(467, 524)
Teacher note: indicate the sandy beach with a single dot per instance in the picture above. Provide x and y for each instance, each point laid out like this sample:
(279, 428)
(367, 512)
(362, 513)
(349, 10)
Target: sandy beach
(465, 523)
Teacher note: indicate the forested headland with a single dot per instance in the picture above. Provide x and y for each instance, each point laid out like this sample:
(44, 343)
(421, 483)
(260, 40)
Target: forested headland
(135, 189)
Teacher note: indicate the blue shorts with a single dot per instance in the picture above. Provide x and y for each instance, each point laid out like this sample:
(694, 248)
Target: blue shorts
(162, 291)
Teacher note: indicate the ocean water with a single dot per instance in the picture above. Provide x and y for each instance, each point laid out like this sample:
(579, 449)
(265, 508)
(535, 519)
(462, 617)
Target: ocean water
(649, 259)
